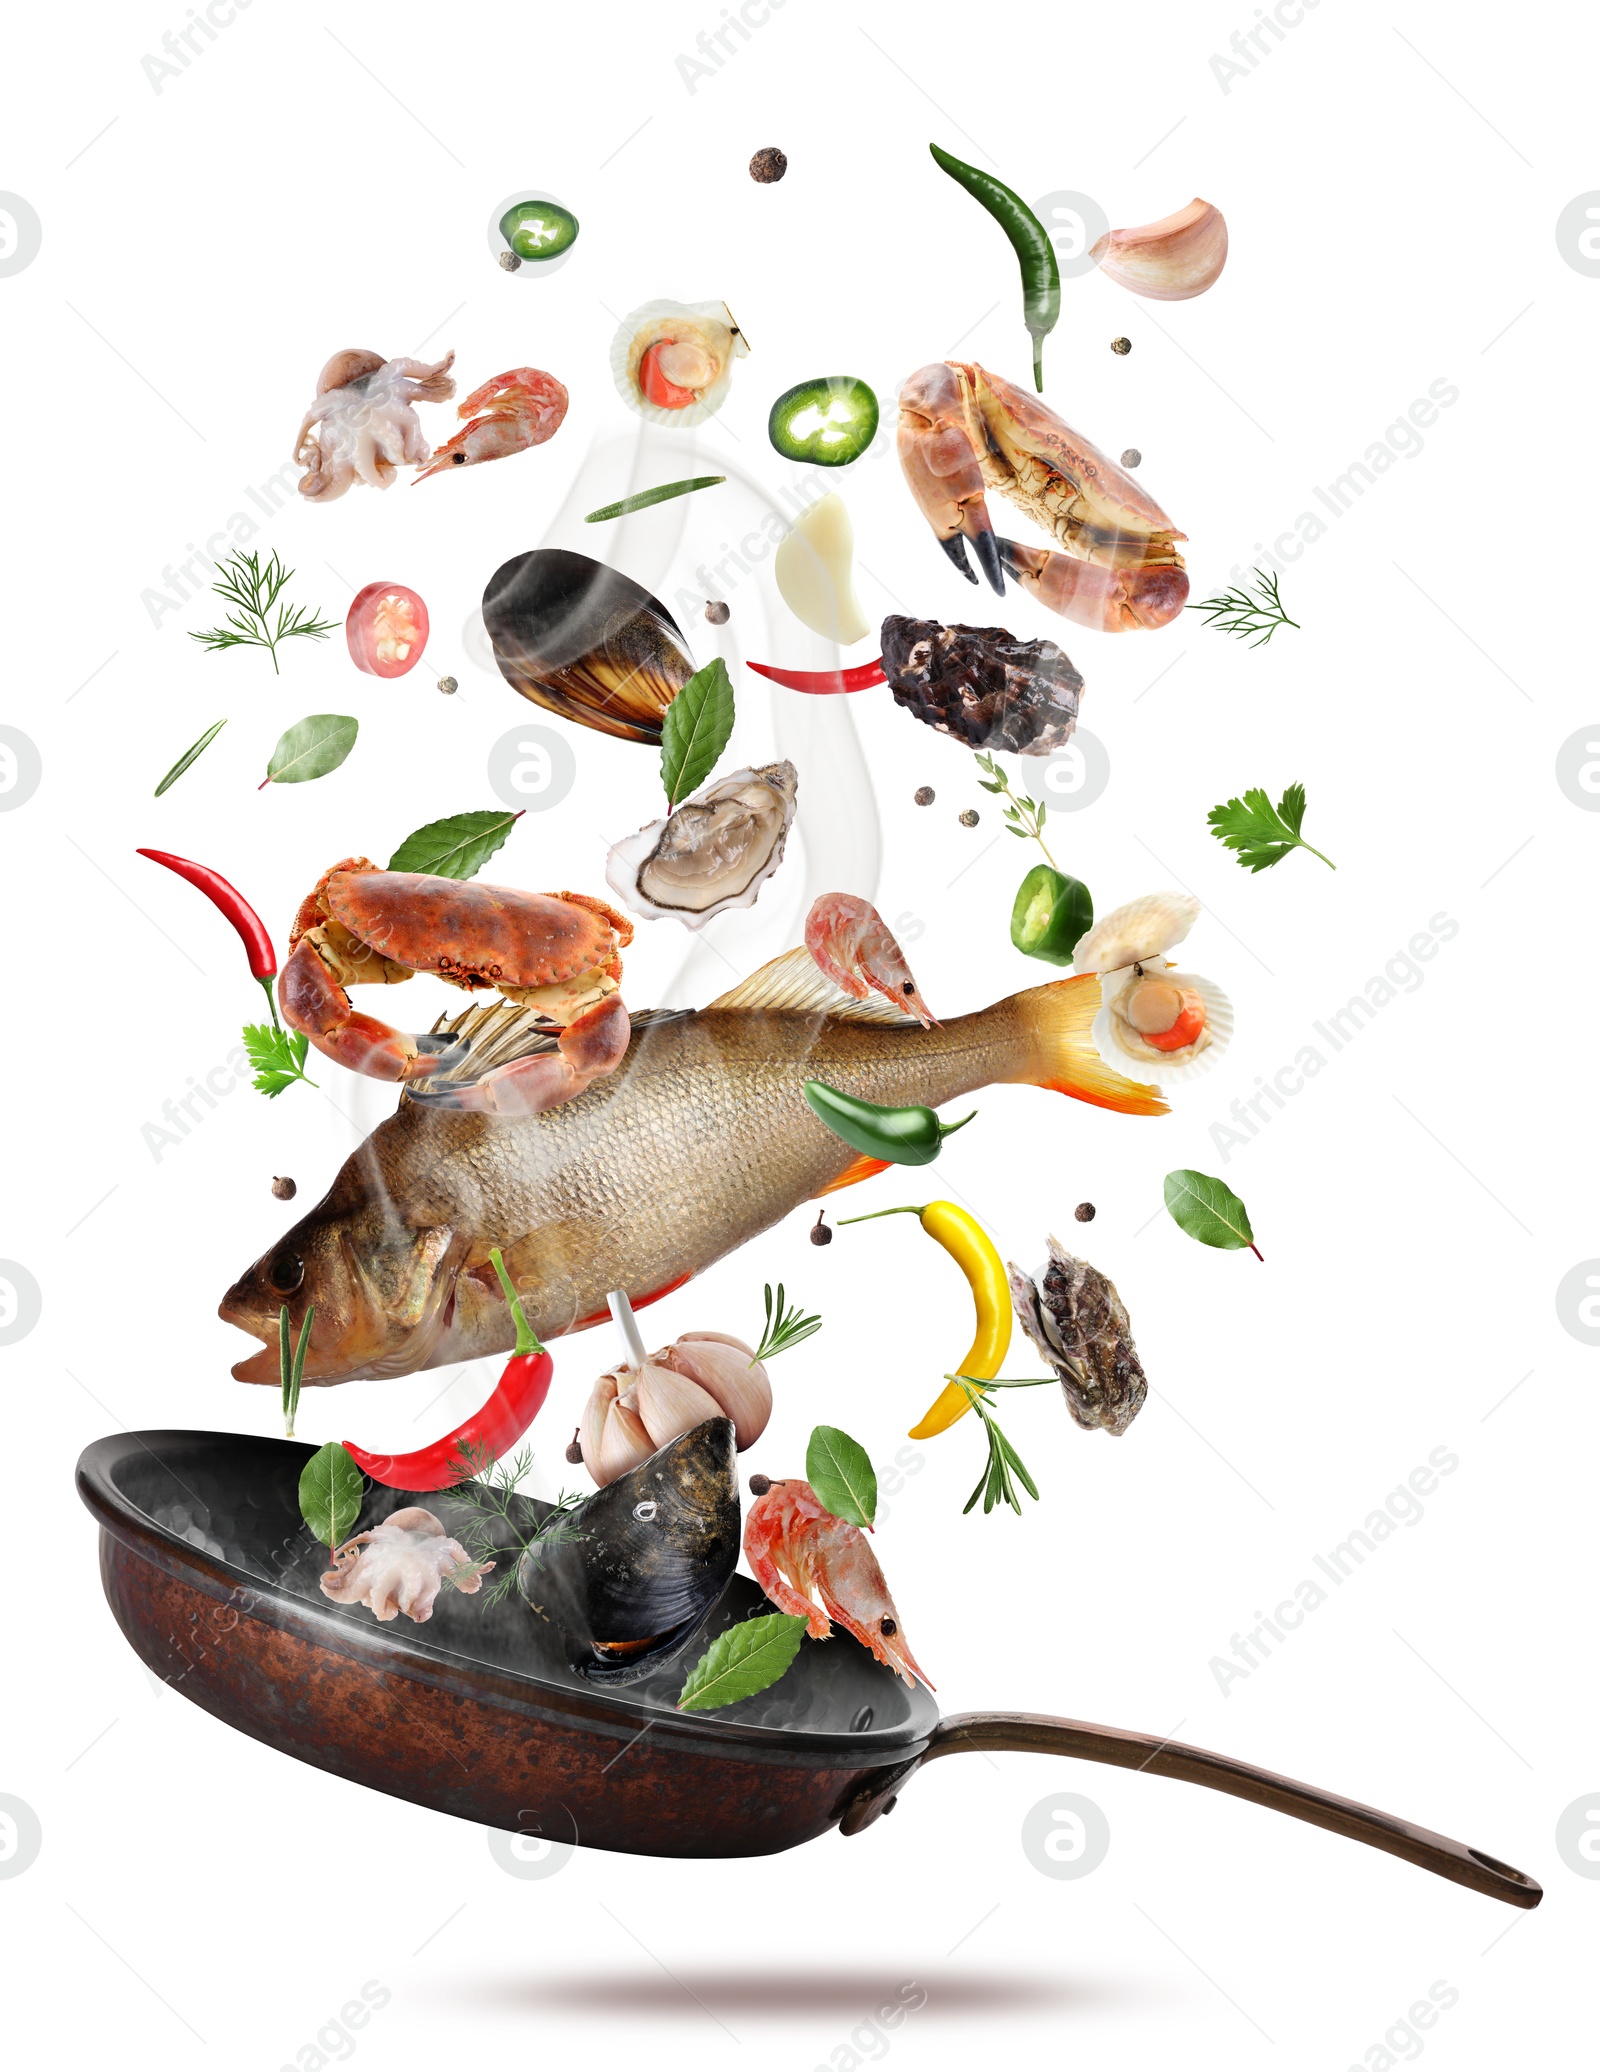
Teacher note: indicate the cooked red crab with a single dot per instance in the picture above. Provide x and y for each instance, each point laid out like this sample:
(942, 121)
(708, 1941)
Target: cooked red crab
(556, 952)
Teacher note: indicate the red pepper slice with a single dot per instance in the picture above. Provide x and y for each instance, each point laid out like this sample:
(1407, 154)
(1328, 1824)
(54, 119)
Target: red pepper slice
(824, 682)
(233, 906)
(516, 1402)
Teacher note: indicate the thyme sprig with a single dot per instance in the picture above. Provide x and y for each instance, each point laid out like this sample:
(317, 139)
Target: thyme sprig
(1023, 817)
(1238, 613)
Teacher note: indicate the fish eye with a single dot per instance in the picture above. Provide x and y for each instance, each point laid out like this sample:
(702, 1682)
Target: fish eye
(285, 1271)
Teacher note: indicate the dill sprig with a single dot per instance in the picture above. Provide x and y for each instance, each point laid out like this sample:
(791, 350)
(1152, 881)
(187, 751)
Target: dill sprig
(498, 1528)
(1238, 613)
(785, 1327)
(1023, 817)
(253, 591)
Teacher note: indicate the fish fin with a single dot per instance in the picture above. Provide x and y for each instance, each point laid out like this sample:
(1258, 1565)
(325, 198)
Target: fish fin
(861, 1168)
(1060, 1017)
(603, 1316)
(793, 984)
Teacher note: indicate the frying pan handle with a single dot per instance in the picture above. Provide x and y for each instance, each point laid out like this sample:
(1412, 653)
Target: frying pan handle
(1037, 1734)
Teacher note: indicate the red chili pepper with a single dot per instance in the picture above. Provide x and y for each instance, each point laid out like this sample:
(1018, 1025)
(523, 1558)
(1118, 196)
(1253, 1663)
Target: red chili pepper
(491, 1431)
(822, 682)
(233, 905)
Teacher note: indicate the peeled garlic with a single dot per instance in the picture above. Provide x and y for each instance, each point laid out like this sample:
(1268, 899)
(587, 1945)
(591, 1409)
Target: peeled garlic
(1167, 261)
(814, 570)
(634, 1411)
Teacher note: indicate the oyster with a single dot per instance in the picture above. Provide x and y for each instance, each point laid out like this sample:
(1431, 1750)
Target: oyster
(637, 1565)
(715, 852)
(1076, 1318)
(1155, 1021)
(673, 361)
(585, 641)
(982, 685)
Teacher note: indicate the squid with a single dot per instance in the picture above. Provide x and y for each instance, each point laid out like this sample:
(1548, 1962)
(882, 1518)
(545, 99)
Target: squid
(964, 430)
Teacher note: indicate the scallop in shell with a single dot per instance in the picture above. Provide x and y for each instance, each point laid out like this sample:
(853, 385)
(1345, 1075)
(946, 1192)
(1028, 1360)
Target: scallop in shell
(673, 361)
(636, 1566)
(585, 641)
(1155, 1021)
(714, 852)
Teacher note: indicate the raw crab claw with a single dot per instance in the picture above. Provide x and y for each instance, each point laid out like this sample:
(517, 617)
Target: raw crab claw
(1114, 600)
(586, 1050)
(521, 408)
(936, 453)
(963, 430)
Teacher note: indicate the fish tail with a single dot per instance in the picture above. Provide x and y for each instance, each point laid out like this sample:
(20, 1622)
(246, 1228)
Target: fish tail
(1059, 1052)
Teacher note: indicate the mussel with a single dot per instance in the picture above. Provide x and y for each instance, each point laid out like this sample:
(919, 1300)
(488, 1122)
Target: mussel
(630, 1573)
(585, 641)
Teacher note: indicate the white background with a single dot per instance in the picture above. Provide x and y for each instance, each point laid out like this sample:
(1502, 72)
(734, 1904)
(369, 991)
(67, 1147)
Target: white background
(1391, 184)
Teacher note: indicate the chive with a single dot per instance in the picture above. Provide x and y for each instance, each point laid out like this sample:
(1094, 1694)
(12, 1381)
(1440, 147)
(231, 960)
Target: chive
(644, 498)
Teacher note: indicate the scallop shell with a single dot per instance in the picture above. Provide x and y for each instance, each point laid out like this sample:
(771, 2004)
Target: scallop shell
(695, 822)
(712, 322)
(1148, 1063)
(1138, 933)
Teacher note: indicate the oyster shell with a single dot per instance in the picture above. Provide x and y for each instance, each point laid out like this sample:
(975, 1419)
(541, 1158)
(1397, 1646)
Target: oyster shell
(714, 852)
(982, 685)
(637, 1565)
(1140, 987)
(699, 343)
(585, 641)
(1076, 1318)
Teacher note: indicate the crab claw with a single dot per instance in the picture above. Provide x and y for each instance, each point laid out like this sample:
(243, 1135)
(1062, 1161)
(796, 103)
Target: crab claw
(1114, 600)
(586, 1050)
(938, 449)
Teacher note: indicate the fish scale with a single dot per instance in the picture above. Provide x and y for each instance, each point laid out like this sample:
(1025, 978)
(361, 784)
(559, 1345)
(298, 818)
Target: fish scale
(700, 1140)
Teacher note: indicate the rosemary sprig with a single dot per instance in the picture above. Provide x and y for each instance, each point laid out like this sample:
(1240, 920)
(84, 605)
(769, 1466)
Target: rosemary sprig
(253, 591)
(1238, 613)
(292, 1369)
(995, 1485)
(1023, 816)
(785, 1327)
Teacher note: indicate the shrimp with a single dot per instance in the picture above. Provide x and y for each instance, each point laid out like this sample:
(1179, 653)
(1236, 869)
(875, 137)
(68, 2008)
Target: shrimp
(795, 1547)
(522, 408)
(851, 945)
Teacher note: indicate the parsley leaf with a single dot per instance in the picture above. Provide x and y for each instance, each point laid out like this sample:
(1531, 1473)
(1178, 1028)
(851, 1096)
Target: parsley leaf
(278, 1058)
(1262, 833)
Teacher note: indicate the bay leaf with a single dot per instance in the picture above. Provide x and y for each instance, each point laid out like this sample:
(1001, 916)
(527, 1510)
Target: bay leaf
(458, 847)
(311, 748)
(695, 730)
(841, 1475)
(747, 1658)
(331, 1488)
(1209, 1211)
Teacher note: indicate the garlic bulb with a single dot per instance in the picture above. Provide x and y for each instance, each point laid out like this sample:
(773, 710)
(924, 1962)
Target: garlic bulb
(634, 1411)
(814, 569)
(1169, 261)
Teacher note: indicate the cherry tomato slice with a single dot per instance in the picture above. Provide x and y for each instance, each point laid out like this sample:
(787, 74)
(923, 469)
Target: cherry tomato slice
(666, 395)
(387, 629)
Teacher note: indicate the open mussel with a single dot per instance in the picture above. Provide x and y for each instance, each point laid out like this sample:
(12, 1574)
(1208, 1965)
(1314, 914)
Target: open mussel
(585, 641)
(630, 1573)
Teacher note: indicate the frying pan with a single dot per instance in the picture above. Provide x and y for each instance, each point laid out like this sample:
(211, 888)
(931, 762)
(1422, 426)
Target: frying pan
(213, 1579)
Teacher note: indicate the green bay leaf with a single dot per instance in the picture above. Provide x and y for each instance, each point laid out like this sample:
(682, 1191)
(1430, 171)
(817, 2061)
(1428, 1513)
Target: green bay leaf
(695, 730)
(331, 1489)
(312, 747)
(746, 1659)
(841, 1475)
(1209, 1211)
(458, 847)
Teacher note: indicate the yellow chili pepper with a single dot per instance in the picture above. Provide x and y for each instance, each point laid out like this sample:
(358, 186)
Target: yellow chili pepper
(968, 1244)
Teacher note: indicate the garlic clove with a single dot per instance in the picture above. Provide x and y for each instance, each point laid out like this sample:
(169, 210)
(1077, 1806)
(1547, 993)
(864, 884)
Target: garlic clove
(1169, 261)
(814, 571)
(722, 1368)
(612, 1433)
(671, 1403)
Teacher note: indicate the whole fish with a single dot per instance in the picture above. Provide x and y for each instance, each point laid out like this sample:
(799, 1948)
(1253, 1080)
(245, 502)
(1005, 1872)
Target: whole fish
(700, 1140)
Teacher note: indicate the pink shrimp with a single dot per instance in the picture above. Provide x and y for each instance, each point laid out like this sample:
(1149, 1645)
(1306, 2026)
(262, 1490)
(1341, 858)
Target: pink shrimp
(522, 408)
(851, 944)
(795, 1547)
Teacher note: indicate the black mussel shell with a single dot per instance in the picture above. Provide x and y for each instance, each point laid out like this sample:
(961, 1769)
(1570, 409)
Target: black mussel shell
(586, 641)
(635, 1567)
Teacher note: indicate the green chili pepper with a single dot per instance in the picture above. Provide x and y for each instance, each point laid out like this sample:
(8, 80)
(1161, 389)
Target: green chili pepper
(1041, 277)
(1051, 916)
(903, 1136)
(830, 421)
(538, 229)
